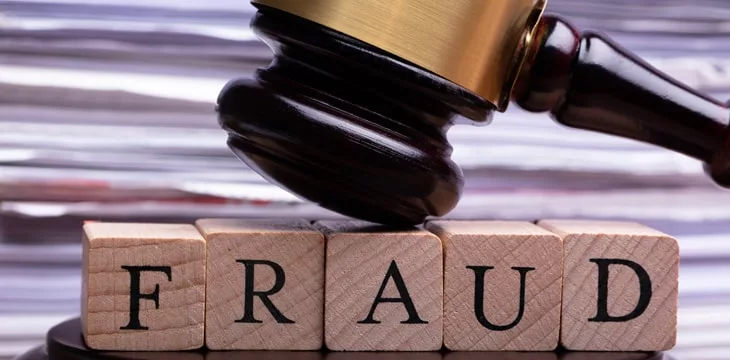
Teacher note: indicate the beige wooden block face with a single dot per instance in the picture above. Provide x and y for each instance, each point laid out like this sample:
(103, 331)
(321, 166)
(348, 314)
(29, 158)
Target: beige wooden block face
(384, 288)
(620, 286)
(265, 287)
(143, 287)
(492, 270)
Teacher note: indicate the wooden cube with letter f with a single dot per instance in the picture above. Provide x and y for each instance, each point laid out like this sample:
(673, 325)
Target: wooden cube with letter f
(384, 288)
(143, 287)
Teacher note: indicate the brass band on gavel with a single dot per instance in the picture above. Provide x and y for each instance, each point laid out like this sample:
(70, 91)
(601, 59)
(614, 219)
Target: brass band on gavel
(479, 45)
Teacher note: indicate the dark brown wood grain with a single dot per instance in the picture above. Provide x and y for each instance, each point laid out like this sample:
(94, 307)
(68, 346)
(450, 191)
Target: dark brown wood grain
(587, 81)
(347, 126)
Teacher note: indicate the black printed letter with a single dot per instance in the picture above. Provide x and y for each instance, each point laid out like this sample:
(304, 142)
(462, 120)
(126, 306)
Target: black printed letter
(404, 298)
(479, 272)
(135, 272)
(249, 292)
(644, 290)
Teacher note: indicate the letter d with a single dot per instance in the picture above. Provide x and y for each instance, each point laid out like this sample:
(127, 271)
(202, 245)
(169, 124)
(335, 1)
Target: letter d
(602, 305)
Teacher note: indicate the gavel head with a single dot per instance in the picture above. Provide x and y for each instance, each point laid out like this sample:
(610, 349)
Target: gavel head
(353, 111)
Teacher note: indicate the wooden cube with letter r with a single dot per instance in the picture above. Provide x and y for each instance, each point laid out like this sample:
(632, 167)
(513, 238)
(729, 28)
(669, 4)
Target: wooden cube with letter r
(384, 288)
(265, 284)
(143, 287)
(620, 286)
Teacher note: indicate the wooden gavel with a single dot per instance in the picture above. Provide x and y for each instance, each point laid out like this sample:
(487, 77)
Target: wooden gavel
(352, 113)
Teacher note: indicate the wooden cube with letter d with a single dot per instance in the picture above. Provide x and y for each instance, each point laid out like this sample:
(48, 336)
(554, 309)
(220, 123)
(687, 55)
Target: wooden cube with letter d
(265, 284)
(143, 287)
(620, 286)
(384, 288)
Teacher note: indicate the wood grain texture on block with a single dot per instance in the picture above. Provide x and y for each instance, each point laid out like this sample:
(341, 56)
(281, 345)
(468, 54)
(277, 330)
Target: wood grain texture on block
(384, 288)
(143, 287)
(620, 286)
(265, 288)
(502, 285)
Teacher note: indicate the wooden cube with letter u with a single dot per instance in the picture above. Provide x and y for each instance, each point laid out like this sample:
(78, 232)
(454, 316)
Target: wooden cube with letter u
(265, 284)
(502, 286)
(620, 286)
(143, 287)
(384, 288)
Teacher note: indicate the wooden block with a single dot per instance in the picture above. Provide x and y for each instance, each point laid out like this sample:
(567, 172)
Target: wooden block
(265, 288)
(143, 287)
(384, 288)
(502, 285)
(620, 286)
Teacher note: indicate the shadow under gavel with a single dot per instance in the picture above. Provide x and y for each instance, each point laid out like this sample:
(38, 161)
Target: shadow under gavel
(362, 131)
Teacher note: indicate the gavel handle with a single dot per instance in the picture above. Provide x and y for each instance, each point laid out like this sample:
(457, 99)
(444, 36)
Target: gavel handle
(589, 82)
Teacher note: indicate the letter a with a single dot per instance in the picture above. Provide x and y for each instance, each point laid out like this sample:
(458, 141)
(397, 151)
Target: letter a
(405, 298)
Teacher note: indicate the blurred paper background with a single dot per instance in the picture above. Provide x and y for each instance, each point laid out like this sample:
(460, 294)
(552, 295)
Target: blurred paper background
(107, 113)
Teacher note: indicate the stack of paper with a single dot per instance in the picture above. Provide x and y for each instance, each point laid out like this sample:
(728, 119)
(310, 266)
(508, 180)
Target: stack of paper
(107, 112)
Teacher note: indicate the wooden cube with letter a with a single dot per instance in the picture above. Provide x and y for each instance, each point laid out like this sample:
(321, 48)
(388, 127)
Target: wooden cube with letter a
(502, 285)
(265, 284)
(143, 287)
(620, 286)
(384, 288)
